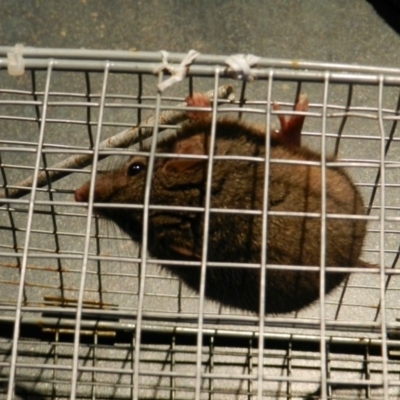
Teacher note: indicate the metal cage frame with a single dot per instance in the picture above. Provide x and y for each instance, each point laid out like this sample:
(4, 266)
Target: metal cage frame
(77, 321)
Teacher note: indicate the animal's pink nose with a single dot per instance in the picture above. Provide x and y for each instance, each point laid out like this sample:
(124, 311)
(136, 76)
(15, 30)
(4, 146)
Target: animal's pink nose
(81, 195)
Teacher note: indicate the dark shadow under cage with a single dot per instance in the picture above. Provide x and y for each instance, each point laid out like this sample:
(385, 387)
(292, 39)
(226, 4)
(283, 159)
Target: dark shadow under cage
(87, 313)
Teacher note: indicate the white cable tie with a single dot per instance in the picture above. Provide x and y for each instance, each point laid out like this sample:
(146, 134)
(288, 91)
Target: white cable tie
(241, 65)
(16, 62)
(178, 73)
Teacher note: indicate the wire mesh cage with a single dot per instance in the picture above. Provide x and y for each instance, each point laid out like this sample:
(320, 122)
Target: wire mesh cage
(88, 313)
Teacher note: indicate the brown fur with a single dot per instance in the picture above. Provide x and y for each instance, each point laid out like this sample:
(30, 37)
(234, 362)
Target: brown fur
(238, 184)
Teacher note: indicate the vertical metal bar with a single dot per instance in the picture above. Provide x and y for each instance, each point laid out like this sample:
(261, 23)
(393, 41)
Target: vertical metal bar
(191, 86)
(264, 233)
(89, 109)
(211, 368)
(242, 99)
(56, 361)
(367, 371)
(14, 351)
(98, 262)
(95, 347)
(205, 239)
(385, 377)
(88, 96)
(323, 239)
(131, 350)
(139, 109)
(344, 120)
(172, 379)
(75, 359)
(53, 216)
(289, 368)
(328, 372)
(143, 252)
(250, 370)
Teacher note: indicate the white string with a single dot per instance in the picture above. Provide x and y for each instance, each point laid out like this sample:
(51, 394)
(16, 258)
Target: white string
(241, 65)
(178, 73)
(16, 62)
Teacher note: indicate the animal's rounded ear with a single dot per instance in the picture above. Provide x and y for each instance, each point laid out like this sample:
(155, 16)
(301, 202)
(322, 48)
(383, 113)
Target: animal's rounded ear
(196, 145)
(199, 100)
(290, 132)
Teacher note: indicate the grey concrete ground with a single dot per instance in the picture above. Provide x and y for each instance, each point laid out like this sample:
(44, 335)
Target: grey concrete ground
(348, 31)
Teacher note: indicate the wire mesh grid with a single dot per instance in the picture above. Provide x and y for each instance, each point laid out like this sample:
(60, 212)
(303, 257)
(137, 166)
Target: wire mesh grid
(86, 314)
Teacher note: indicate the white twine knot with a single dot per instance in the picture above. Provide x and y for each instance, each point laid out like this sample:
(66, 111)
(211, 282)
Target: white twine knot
(16, 62)
(178, 73)
(241, 65)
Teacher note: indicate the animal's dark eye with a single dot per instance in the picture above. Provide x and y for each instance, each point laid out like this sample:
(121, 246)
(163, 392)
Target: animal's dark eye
(135, 168)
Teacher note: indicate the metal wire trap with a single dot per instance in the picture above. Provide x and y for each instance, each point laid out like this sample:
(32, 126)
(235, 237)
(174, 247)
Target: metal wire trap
(80, 315)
